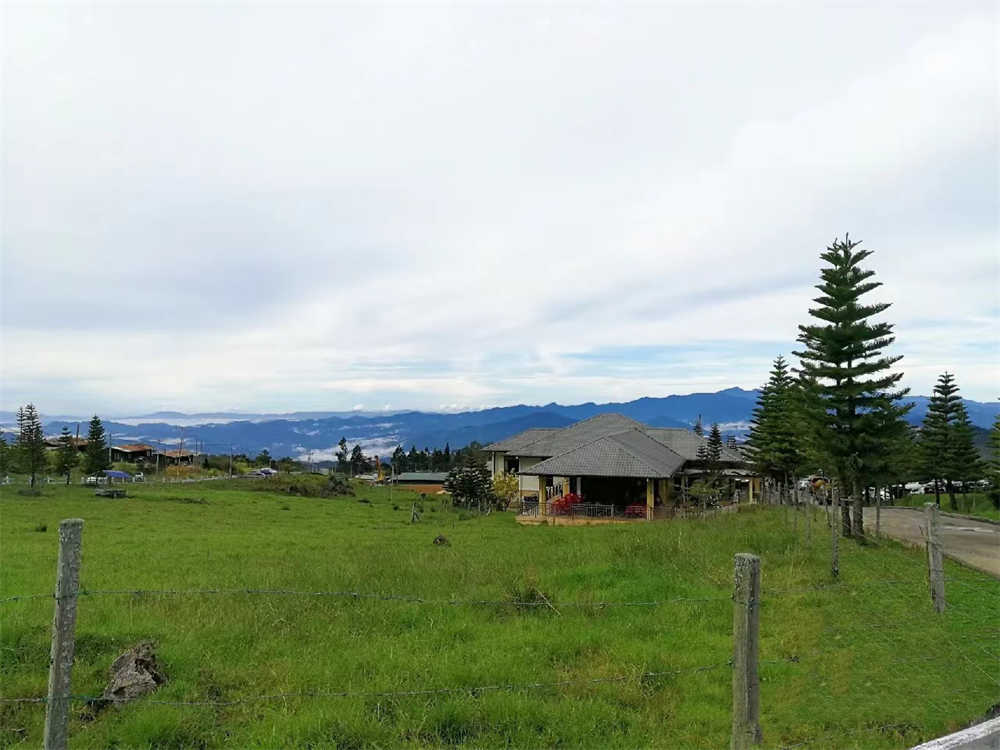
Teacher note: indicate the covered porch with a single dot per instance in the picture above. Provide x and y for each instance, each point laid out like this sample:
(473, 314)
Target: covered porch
(598, 499)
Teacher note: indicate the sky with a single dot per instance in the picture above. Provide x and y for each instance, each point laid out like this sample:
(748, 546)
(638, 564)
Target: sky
(276, 208)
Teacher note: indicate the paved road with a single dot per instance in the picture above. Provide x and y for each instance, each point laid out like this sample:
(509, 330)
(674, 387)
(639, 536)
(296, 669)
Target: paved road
(975, 543)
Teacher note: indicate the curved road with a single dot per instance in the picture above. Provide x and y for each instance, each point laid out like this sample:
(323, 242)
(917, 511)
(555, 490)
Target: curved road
(975, 543)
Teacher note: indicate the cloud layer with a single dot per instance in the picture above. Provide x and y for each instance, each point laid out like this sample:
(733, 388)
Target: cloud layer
(292, 208)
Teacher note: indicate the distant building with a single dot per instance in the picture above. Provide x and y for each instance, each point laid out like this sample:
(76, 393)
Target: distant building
(177, 457)
(53, 442)
(132, 453)
(430, 482)
(613, 460)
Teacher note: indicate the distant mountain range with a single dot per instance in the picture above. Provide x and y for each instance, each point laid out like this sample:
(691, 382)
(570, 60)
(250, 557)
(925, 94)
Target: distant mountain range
(302, 433)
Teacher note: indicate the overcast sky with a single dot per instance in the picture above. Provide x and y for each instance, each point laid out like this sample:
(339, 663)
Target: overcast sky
(278, 208)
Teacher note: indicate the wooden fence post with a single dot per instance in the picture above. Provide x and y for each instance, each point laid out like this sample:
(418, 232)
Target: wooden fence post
(63, 635)
(935, 565)
(746, 630)
(835, 536)
(878, 512)
(809, 529)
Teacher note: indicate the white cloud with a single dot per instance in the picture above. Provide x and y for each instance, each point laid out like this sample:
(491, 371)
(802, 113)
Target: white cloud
(441, 206)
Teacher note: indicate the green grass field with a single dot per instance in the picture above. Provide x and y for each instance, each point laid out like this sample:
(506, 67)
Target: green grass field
(972, 504)
(864, 663)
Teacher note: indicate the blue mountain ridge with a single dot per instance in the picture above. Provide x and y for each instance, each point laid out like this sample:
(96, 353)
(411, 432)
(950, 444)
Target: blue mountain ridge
(295, 435)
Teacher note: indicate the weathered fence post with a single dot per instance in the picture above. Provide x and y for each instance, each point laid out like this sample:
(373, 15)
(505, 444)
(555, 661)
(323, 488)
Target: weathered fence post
(835, 537)
(935, 566)
(746, 630)
(878, 511)
(809, 528)
(63, 635)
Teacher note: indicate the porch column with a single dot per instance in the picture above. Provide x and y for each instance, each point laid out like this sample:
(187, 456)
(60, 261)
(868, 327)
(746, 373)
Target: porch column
(750, 482)
(542, 506)
(664, 491)
(649, 499)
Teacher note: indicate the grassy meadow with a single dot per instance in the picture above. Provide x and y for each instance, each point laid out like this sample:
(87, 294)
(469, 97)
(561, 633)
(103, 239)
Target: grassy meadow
(863, 663)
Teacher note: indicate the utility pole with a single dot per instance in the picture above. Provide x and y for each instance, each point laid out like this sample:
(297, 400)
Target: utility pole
(230, 461)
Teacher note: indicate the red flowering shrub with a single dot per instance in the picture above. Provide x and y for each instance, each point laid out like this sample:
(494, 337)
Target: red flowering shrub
(565, 503)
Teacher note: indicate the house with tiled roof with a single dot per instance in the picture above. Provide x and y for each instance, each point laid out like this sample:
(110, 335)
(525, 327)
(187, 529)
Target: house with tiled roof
(613, 461)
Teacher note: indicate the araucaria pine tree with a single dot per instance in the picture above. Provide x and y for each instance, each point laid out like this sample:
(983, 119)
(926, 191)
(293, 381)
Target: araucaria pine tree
(966, 465)
(97, 457)
(30, 441)
(775, 443)
(469, 483)
(860, 412)
(4, 456)
(66, 456)
(994, 463)
(947, 449)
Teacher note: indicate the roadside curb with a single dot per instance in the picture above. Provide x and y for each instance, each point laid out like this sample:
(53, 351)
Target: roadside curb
(943, 513)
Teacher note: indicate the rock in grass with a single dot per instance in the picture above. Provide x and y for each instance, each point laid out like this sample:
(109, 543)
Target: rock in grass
(134, 674)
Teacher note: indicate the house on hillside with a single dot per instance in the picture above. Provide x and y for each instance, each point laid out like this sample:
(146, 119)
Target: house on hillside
(616, 465)
(52, 443)
(132, 453)
(428, 482)
(177, 457)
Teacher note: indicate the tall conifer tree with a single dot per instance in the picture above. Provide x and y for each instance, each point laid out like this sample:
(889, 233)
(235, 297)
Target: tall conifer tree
(97, 448)
(859, 413)
(4, 456)
(66, 455)
(947, 448)
(30, 441)
(776, 443)
(965, 463)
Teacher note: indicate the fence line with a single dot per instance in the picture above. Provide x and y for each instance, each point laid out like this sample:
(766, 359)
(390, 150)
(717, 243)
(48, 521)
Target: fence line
(414, 599)
(746, 600)
(513, 687)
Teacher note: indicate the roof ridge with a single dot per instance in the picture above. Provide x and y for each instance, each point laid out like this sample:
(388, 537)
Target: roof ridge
(645, 431)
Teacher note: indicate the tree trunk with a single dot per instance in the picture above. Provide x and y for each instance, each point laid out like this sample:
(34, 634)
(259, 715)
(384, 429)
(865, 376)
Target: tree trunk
(937, 493)
(951, 496)
(859, 513)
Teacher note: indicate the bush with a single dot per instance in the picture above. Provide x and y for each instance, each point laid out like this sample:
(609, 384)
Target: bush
(526, 596)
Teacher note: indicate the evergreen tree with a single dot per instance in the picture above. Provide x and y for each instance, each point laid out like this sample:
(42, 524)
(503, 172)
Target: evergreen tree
(96, 458)
(4, 455)
(860, 412)
(413, 459)
(714, 444)
(947, 444)
(446, 458)
(731, 442)
(469, 483)
(776, 445)
(965, 463)
(66, 455)
(399, 460)
(358, 460)
(698, 429)
(936, 432)
(994, 463)
(30, 441)
(343, 456)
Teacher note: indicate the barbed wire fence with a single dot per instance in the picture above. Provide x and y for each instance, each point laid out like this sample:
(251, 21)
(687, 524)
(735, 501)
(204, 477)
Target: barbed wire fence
(902, 584)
